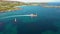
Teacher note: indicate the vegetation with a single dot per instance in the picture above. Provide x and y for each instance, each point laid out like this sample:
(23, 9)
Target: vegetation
(9, 5)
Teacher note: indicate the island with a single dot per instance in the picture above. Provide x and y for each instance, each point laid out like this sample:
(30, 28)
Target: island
(12, 5)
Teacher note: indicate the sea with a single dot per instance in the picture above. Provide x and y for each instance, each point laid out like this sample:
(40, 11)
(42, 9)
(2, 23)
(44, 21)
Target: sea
(47, 20)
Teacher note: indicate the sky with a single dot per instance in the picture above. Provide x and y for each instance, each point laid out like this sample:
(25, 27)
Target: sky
(37, 0)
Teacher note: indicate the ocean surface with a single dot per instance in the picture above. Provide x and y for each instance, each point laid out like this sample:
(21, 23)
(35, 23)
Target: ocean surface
(47, 20)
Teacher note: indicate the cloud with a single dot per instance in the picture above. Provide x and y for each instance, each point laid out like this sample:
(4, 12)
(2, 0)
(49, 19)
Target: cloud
(36, 0)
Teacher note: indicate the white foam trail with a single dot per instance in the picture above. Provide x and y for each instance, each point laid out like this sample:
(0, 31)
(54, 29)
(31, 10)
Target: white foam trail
(17, 16)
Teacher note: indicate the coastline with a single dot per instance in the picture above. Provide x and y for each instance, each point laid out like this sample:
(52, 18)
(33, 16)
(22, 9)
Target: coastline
(9, 10)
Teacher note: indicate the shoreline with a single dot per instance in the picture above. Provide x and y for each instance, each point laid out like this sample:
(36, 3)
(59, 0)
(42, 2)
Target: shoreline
(2, 11)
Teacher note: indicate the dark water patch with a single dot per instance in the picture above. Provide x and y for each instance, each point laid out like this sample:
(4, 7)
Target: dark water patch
(36, 27)
(2, 26)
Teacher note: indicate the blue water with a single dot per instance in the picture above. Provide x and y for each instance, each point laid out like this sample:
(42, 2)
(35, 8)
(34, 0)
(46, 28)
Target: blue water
(46, 22)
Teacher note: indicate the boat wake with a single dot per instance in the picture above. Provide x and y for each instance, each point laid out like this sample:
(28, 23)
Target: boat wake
(30, 15)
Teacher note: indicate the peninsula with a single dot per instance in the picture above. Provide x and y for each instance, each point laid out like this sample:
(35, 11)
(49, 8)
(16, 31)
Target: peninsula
(10, 5)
